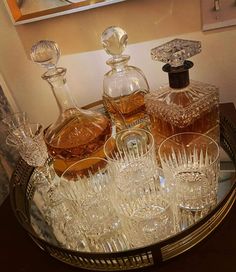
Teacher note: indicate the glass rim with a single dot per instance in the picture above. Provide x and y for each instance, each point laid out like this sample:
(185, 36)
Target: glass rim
(82, 160)
(123, 131)
(54, 74)
(35, 136)
(8, 117)
(191, 133)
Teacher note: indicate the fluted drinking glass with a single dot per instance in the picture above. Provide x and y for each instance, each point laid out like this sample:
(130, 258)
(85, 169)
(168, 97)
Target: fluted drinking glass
(28, 139)
(137, 192)
(85, 185)
(190, 162)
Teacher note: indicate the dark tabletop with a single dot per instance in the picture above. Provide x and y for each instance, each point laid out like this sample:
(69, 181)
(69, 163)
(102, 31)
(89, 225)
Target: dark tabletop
(216, 253)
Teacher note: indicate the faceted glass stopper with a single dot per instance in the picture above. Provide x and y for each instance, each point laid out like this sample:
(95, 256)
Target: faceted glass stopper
(46, 53)
(114, 40)
(176, 51)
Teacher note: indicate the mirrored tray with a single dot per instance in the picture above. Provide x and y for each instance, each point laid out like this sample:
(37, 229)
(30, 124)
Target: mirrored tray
(27, 205)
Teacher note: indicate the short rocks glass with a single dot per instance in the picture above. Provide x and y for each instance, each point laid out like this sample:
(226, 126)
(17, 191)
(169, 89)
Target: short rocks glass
(137, 193)
(86, 187)
(190, 162)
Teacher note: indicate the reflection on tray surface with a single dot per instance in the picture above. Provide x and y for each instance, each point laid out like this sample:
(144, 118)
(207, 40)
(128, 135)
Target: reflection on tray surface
(56, 225)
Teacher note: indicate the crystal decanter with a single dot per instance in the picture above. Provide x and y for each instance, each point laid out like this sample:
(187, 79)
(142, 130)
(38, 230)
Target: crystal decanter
(124, 86)
(184, 105)
(77, 133)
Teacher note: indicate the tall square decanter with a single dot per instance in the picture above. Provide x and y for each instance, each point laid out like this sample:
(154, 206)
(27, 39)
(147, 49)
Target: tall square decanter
(184, 105)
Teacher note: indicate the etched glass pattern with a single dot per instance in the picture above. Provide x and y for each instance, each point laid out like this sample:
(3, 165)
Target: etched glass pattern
(190, 162)
(176, 51)
(28, 139)
(137, 193)
(190, 106)
(85, 185)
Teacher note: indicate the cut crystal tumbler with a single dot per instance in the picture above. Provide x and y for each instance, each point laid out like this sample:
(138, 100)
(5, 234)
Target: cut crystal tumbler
(137, 193)
(190, 163)
(85, 185)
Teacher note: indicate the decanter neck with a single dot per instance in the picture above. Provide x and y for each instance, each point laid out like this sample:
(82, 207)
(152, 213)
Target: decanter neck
(57, 80)
(118, 63)
(178, 76)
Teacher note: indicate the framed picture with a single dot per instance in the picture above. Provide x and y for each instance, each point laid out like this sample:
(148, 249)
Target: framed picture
(25, 11)
(217, 14)
(8, 156)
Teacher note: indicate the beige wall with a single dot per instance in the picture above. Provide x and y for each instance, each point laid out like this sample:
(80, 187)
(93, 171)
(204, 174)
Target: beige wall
(143, 19)
(148, 24)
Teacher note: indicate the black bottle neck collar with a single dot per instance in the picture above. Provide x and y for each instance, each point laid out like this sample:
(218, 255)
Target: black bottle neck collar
(178, 76)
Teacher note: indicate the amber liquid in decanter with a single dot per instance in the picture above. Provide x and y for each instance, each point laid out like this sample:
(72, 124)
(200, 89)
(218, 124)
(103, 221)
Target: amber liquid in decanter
(124, 86)
(185, 105)
(77, 133)
(71, 149)
(203, 118)
(129, 110)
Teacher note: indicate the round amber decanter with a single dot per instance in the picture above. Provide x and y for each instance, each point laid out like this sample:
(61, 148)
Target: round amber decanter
(77, 133)
(124, 86)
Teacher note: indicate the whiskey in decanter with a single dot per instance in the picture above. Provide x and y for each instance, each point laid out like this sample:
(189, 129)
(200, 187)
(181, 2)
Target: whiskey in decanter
(124, 86)
(184, 105)
(77, 133)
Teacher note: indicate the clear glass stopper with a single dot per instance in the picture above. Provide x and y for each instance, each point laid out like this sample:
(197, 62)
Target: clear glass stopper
(176, 51)
(114, 40)
(45, 53)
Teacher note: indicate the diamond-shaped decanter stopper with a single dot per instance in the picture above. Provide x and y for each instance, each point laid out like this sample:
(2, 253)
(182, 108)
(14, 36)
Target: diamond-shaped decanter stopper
(176, 51)
(114, 40)
(45, 53)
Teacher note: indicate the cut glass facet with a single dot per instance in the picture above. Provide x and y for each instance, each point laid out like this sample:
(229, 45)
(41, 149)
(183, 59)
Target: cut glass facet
(183, 105)
(176, 51)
